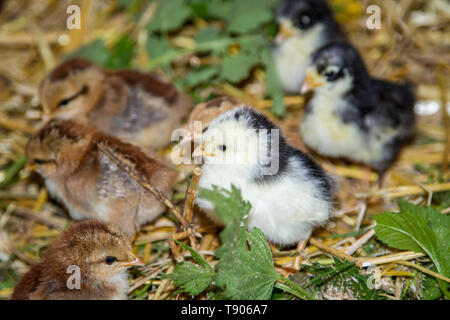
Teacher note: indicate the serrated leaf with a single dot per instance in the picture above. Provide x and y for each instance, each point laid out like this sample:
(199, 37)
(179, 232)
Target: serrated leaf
(95, 51)
(245, 264)
(229, 205)
(170, 15)
(189, 277)
(420, 229)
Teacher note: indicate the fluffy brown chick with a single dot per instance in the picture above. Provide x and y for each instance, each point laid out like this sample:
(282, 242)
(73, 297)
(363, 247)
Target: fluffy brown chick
(134, 106)
(99, 253)
(207, 111)
(76, 172)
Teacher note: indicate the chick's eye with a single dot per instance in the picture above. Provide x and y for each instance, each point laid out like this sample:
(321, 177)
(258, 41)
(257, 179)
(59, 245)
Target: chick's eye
(40, 161)
(222, 147)
(304, 20)
(110, 260)
(332, 73)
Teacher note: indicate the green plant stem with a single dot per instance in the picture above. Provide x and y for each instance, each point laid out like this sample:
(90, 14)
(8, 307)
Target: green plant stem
(317, 280)
(12, 171)
(294, 289)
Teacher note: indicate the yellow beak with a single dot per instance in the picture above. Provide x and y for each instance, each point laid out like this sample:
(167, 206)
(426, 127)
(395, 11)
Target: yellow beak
(202, 152)
(30, 167)
(285, 31)
(206, 154)
(312, 81)
(134, 261)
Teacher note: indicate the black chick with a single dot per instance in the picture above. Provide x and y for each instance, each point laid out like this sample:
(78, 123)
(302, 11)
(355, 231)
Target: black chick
(304, 27)
(353, 115)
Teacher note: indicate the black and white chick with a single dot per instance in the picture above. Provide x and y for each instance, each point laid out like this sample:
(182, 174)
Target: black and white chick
(288, 191)
(304, 26)
(352, 115)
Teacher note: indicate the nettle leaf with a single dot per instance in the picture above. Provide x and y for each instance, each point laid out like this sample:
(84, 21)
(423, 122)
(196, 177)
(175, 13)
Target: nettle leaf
(189, 277)
(96, 51)
(420, 229)
(229, 205)
(245, 264)
(247, 269)
(121, 53)
(170, 15)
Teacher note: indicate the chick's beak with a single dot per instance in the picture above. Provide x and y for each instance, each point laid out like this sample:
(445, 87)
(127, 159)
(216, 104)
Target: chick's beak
(285, 31)
(30, 167)
(204, 153)
(134, 261)
(312, 81)
(200, 151)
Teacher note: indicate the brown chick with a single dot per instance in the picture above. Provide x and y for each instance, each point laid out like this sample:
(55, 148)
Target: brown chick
(76, 172)
(98, 254)
(208, 111)
(137, 107)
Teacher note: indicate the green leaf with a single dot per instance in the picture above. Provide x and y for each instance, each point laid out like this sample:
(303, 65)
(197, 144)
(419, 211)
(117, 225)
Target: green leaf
(189, 277)
(211, 9)
(170, 15)
(248, 15)
(237, 68)
(420, 229)
(245, 264)
(430, 289)
(157, 46)
(273, 87)
(121, 53)
(200, 75)
(95, 51)
(207, 34)
(230, 207)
